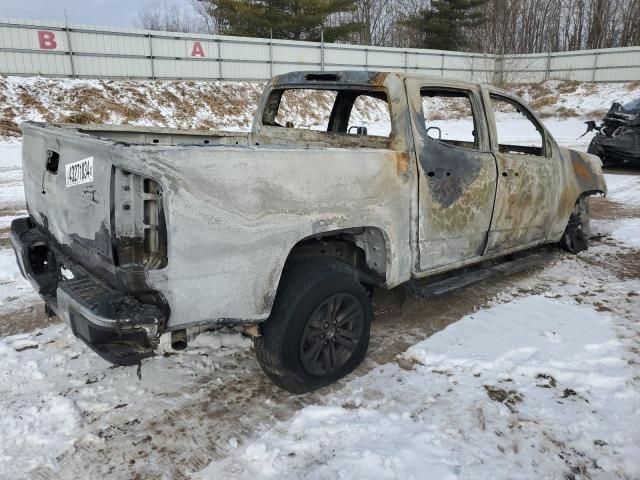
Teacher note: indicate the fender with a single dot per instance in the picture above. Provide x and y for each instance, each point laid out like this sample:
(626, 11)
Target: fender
(587, 170)
(583, 176)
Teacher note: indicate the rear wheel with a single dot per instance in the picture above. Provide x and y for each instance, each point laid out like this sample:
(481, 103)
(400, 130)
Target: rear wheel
(319, 326)
(576, 236)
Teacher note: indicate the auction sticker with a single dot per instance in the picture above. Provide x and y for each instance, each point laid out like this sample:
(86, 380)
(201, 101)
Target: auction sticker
(79, 172)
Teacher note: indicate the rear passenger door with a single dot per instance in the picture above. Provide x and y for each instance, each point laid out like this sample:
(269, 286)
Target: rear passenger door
(527, 194)
(457, 173)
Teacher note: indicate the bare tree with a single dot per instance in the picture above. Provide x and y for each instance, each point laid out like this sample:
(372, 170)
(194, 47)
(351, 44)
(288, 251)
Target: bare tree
(172, 18)
(509, 26)
(529, 26)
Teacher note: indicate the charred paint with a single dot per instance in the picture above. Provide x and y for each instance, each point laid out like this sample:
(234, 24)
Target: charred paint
(449, 170)
(350, 77)
(587, 173)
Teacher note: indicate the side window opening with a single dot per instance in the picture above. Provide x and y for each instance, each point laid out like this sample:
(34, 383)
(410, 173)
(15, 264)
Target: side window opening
(305, 108)
(371, 113)
(449, 117)
(518, 132)
(342, 111)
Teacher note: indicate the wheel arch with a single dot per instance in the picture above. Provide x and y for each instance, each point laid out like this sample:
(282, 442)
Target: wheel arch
(366, 248)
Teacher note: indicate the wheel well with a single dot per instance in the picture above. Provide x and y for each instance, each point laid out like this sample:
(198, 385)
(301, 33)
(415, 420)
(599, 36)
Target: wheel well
(363, 248)
(589, 193)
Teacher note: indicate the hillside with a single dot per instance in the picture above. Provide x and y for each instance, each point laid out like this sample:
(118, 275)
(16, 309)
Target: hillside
(231, 105)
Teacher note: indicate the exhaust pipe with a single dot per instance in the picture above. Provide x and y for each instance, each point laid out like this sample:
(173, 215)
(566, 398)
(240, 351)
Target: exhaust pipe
(179, 339)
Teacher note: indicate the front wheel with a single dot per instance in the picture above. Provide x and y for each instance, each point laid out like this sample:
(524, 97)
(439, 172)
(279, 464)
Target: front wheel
(318, 330)
(576, 236)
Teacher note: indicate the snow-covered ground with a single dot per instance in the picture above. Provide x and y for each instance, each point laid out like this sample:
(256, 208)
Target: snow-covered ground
(535, 376)
(536, 387)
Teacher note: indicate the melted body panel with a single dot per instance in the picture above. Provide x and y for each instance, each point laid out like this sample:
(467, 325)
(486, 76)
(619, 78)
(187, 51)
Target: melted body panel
(457, 186)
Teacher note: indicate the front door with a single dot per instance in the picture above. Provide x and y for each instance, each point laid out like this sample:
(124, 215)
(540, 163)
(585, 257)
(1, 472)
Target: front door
(457, 173)
(527, 195)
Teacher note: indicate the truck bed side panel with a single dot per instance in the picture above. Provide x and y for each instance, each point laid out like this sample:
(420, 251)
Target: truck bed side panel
(235, 213)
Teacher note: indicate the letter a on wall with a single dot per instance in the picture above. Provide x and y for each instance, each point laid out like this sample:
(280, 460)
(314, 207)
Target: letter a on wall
(47, 40)
(197, 50)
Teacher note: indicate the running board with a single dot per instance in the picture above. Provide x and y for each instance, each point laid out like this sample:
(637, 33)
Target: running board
(429, 287)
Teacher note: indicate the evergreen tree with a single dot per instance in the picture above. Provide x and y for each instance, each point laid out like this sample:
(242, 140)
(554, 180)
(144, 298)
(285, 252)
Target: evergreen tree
(442, 25)
(285, 19)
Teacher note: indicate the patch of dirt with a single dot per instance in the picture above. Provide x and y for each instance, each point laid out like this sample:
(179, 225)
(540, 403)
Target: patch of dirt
(568, 86)
(602, 208)
(565, 112)
(623, 264)
(635, 85)
(545, 101)
(507, 397)
(546, 381)
(9, 128)
(24, 320)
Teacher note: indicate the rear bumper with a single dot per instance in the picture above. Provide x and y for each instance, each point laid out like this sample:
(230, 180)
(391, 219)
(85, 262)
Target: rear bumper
(112, 323)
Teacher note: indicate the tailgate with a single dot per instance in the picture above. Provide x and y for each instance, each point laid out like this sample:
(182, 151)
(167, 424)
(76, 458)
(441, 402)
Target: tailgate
(67, 179)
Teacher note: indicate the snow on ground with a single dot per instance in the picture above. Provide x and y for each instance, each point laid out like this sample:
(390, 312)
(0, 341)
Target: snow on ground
(11, 193)
(527, 389)
(15, 291)
(54, 391)
(627, 232)
(581, 99)
(624, 189)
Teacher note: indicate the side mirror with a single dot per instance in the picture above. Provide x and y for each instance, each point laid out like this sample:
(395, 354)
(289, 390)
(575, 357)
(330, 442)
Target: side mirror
(435, 128)
(359, 130)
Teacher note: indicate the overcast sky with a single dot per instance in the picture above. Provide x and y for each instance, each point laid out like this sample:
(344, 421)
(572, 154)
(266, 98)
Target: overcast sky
(119, 13)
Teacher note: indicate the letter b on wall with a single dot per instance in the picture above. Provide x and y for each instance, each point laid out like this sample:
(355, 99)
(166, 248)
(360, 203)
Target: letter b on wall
(47, 40)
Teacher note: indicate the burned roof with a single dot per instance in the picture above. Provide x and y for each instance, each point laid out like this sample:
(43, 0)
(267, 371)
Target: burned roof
(354, 77)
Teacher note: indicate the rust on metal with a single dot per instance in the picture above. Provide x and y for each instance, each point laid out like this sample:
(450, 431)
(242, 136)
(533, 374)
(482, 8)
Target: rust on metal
(379, 79)
(402, 163)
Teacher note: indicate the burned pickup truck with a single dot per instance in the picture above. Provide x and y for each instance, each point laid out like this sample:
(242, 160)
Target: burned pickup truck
(617, 139)
(135, 232)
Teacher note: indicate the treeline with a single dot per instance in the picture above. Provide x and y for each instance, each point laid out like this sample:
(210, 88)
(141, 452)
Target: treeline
(485, 26)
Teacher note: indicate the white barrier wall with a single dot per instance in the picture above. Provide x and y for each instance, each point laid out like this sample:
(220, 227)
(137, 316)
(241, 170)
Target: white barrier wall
(54, 49)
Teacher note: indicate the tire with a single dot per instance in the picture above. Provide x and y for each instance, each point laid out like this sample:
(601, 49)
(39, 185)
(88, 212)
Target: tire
(309, 323)
(576, 236)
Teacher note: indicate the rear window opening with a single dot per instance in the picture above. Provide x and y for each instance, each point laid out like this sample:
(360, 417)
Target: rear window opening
(351, 112)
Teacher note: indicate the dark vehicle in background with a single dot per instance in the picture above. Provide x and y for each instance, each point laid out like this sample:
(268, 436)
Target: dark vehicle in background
(617, 139)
